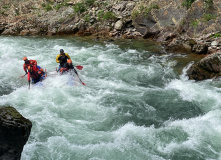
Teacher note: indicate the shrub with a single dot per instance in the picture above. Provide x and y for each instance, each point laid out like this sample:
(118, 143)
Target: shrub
(152, 6)
(208, 17)
(89, 2)
(135, 13)
(43, 5)
(194, 23)
(79, 7)
(46, 6)
(187, 3)
(5, 7)
(100, 14)
(209, 3)
(58, 6)
(216, 35)
(109, 16)
(87, 18)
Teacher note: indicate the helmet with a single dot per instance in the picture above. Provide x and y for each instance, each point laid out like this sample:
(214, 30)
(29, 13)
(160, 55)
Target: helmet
(25, 58)
(69, 61)
(61, 51)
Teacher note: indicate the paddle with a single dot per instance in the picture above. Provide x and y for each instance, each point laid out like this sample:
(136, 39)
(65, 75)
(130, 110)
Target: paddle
(28, 80)
(23, 75)
(79, 67)
(79, 77)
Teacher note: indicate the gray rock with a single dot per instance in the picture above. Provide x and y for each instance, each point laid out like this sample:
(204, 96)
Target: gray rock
(14, 131)
(118, 25)
(169, 16)
(200, 48)
(207, 68)
(214, 43)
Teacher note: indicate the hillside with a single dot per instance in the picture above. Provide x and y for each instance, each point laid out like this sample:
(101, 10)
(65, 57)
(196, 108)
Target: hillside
(179, 25)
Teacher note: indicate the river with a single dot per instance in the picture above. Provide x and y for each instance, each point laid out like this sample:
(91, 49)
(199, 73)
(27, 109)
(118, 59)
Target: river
(137, 103)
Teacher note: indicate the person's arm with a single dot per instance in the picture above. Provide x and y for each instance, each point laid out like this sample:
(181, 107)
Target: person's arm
(25, 68)
(57, 58)
(34, 62)
(67, 55)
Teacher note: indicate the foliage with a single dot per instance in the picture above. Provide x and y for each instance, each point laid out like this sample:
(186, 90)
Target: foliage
(209, 3)
(79, 8)
(187, 3)
(5, 7)
(208, 17)
(152, 6)
(135, 13)
(194, 23)
(109, 16)
(105, 3)
(106, 15)
(58, 6)
(100, 14)
(46, 6)
(216, 35)
(144, 9)
(43, 5)
(2, 12)
(87, 18)
(89, 2)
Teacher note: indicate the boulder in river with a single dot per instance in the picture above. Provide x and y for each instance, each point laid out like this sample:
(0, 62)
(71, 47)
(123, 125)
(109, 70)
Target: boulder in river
(207, 68)
(14, 131)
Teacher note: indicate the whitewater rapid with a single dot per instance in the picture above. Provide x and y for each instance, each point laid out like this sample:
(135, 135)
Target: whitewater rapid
(137, 102)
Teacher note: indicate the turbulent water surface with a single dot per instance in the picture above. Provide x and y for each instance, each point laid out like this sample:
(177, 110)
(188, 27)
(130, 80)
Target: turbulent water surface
(137, 103)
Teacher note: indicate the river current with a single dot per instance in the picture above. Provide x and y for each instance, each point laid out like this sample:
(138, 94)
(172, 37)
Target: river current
(137, 103)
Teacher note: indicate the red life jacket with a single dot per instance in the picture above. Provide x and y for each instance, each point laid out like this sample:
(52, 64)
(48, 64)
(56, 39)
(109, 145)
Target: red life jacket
(34, 72)
(30, 62)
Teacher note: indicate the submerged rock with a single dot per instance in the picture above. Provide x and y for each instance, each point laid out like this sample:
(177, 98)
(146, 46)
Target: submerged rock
(14, 131)
(207, 68)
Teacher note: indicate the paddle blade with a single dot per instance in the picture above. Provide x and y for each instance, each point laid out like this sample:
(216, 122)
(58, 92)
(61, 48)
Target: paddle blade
(83, 83)
(79, 67)
(23, 75)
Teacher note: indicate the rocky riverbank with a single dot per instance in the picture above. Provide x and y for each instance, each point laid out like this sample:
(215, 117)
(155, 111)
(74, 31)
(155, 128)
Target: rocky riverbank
(181, 26)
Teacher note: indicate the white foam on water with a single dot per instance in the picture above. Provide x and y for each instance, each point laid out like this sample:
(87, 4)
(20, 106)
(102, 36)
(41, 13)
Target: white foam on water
(203, 133)
(198, 92)
(73, 121)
